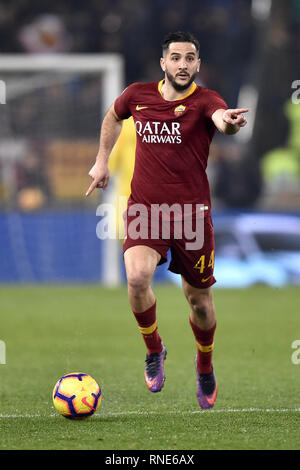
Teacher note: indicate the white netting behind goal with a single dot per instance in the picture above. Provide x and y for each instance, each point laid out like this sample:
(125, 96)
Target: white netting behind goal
(49, 136)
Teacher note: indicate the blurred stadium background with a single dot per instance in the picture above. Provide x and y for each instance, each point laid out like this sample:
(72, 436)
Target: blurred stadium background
(63, 63)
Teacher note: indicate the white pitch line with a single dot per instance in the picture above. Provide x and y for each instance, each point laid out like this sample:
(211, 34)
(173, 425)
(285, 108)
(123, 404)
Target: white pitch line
(146, 413)
(20, 416)
(229, 410)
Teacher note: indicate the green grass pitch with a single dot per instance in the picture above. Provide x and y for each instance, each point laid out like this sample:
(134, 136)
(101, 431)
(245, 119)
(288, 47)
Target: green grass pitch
(53, 330)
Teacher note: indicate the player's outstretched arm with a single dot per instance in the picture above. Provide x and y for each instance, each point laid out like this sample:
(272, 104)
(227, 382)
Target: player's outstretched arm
(229, 121)
(110, 131)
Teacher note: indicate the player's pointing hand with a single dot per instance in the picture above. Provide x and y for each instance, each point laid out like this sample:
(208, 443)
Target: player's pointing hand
(235, 116)
(100, 175)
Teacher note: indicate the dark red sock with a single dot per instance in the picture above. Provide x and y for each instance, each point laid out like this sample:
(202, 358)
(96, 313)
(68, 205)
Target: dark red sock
(205, 346)
(148, 327)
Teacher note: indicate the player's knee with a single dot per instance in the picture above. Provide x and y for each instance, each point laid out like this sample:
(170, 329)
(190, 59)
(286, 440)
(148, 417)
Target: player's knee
(138, 279)
(202, 311)
(200, 306)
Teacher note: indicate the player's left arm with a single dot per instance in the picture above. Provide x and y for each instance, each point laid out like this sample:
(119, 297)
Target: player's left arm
(229, 121)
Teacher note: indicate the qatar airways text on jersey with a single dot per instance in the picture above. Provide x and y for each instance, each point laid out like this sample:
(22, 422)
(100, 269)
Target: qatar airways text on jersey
(156, 132)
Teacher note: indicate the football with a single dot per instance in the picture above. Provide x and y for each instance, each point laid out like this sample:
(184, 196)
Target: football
(76, 395)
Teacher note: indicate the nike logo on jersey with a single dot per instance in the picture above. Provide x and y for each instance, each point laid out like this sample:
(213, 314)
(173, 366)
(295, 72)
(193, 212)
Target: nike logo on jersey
(138, 107)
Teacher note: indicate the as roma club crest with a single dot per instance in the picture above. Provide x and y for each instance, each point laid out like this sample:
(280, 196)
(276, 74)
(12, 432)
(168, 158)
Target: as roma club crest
(179, 110)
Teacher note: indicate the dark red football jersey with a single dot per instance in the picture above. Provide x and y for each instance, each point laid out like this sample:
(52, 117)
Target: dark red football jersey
(173, 139)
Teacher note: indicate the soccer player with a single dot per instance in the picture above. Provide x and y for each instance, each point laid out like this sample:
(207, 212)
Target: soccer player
(175, 122)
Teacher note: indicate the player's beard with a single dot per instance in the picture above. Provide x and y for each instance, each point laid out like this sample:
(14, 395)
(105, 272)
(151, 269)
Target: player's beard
(178, 86)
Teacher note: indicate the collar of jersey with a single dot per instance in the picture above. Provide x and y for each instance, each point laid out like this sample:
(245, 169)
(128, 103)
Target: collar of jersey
(193, 88)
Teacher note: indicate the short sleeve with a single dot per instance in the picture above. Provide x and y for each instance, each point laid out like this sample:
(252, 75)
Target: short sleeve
(214, 102)
(122, 103)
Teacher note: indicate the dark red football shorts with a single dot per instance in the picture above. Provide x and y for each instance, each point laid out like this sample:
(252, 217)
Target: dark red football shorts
(195, 263)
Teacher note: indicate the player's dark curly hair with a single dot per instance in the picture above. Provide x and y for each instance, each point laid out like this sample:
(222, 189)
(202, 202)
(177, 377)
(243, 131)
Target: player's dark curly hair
(179, 36)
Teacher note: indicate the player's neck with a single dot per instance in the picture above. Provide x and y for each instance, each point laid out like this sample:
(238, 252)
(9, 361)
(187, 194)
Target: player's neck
(169, 93)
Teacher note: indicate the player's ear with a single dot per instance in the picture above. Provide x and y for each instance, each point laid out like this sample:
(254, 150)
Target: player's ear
(162, 64)
(199, 65)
